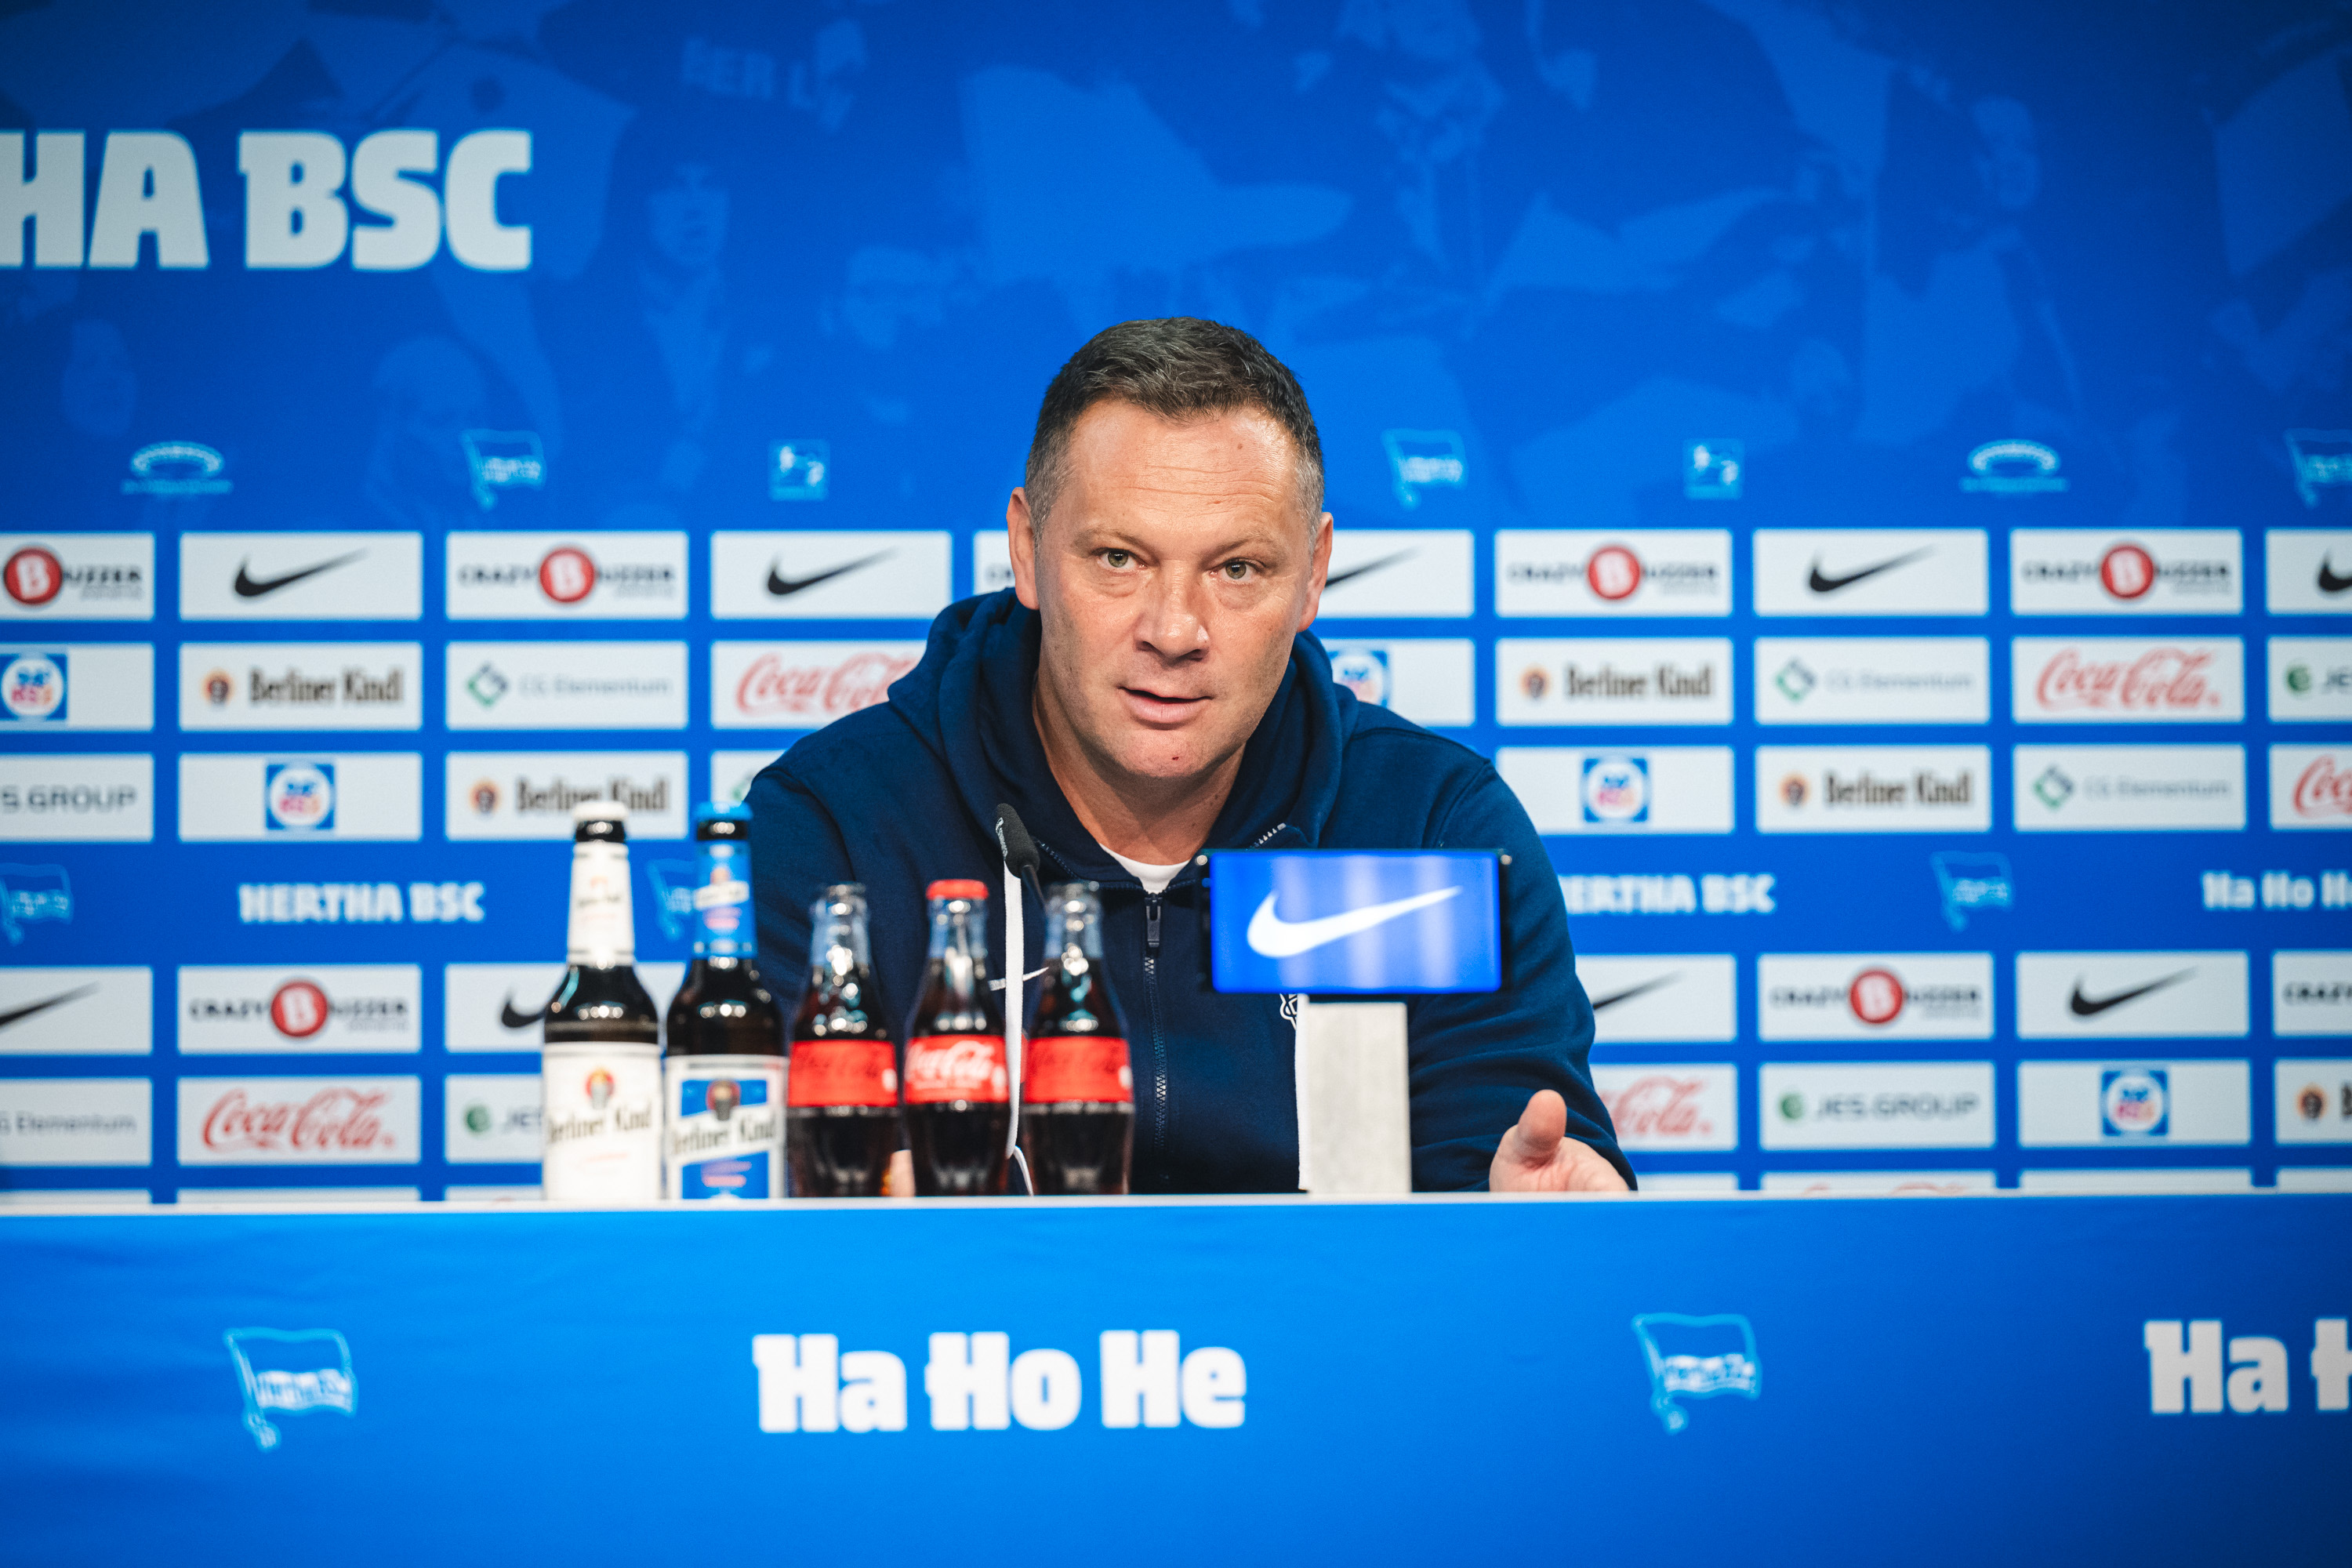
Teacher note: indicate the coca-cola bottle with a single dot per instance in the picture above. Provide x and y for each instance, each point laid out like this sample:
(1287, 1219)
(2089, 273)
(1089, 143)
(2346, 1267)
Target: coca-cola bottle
(1078, 1095)
(955, 1089)
(600, 1062)
(723, 1063)
(842, 1126)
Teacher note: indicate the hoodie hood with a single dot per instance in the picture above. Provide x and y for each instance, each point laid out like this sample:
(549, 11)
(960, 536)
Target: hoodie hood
(969, 700)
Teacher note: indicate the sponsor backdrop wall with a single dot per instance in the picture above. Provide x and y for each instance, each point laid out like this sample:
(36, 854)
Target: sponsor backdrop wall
(1878, 479)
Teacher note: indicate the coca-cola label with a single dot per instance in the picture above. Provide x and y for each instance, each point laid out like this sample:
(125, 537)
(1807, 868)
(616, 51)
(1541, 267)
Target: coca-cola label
(299, 1121)
(601, 1116)
(2110, 680)
(2310, 786)
(802, 685)
(1678, 1106)
(942, 1068)
(1058, 1068)
(725, 1137)
(842, 1072)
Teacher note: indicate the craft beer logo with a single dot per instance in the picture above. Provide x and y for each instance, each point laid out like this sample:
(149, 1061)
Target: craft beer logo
(2311, 993)
(75, 1122)
(559, 576)
(802, 685)
(2112, 681)
(1872, 680)
(1669, 1107)
(2313, 1100)
(301, 686)
(2310, 679)
(364, 795)
(530, 794)
(565, 686)
(2310, 786)
(87, 797)
(322, 1008)
(491, 1119)
(326, 1121)
(1685, 996)
(1638, 789)
(2144, 996)
(499, 1006)
(2308, 570)
(2155, 571)
(1853, 996)
(78, 576)
(2091, 1104)
(1404, 573)
(1426, 679)
(74, 1011)
(1876, 1105)
(1873, 789)
(301, 576)
(1623, 681)
(1654, 572)
(2059, 789)
(1870, 571)
(830, 575)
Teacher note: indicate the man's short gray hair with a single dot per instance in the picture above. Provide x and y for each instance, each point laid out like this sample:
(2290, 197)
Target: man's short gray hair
(1178, 368)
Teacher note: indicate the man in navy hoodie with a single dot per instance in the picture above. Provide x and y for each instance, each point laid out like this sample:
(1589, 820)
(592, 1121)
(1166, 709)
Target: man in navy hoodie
(1147, 689)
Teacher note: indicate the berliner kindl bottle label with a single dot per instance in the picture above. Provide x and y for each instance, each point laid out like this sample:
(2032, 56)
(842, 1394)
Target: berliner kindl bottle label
(726, 1127)
(601, 1116)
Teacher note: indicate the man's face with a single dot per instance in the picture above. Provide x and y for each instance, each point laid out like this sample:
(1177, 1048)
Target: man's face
(1175, 568)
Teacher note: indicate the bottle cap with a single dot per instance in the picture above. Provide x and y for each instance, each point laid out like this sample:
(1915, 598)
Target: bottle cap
(958, 887)
(600, 811)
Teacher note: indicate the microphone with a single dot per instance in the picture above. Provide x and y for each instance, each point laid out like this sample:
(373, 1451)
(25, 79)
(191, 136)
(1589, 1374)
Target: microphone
(1020, 853)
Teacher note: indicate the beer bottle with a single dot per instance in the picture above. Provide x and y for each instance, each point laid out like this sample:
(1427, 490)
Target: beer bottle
(600, 1063)
(842, 1126)
(955, 1089)
(1078, 1095)
(723, 1066)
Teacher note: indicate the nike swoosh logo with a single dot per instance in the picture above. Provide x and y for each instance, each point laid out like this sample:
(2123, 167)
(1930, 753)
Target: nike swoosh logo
(250, 588)
(1642, 989)
(21, 1013)
(2084, 1006)
(784, 587)
(2329, 583)
(1270, 936)
(1821, 584)
(514, 1020)
(1335, 578)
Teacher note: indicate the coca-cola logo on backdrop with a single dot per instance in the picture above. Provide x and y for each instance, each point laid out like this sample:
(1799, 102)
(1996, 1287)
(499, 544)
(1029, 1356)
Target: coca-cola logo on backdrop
(777, 687)
(2161, 680)
(334, 1120)
(1659, 1106)
(2324, 788)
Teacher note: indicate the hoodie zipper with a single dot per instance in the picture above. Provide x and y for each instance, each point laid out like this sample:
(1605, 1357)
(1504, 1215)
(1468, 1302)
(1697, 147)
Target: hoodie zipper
(1152, 903)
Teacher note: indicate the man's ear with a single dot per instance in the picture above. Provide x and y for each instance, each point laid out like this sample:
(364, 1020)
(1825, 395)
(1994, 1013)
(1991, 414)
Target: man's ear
(1020, 536)
(1318, 567)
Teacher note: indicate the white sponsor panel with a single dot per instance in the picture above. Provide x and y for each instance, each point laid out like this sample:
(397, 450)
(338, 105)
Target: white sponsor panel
(1877, 1183)
(2118, 1181)
(296, 1197)
(76, 686)
(2311, 993)
(2310, 678)
(731, 774)
(1401, 574)
(301, 685)
(327, 1119)
(2102, 572)
(1642, 571)
(324, 1008)
(593, 576)
(496, 1007)
(2088, 1104)
(1873, 996)
(2312, 1178)
(1876, 1105)
(1669, 1107)
(992, 560)
(301, 576)
(2310, 786)
(1873, 680)
(90, 1011)
(802, 685)
(75, 1122)
(74, 1197)
(1426, 680)
(1629, 789)
(490, 1118)
(1688, 1184)
(2312, 1098)
(2131, 995)
(1870, 571)
(87, 798)
(2127, 680)
(530, 794)
(1873, 789)
(259, 798)
(829, 576)
(1612, 681)
(77, 576)
(492, 1194)
(2306, 571)
(566, 686)
(2097, 789)
(1661, 997)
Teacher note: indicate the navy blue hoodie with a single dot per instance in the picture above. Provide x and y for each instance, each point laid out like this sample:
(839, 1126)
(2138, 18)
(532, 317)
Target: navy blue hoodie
(905, 793)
